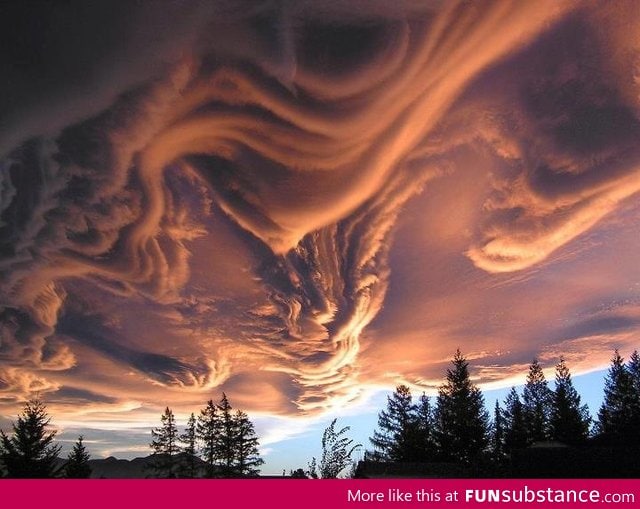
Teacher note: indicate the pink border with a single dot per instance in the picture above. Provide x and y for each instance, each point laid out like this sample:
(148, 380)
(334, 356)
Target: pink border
(298, 494)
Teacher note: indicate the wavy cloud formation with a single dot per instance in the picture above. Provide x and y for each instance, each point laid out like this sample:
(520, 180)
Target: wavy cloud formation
(226, 219)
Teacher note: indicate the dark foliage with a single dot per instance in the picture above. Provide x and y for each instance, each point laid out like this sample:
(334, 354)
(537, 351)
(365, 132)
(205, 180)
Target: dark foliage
(189, 440)
(207, 429)
(424, 441)
(569, 420)
(536, 403)
(247, 457)
(165, 446)
(515, 429)
(77, 466)
(230, 444)
(298, 473)
(461, 421)
(30, 452)
(616, 419)
(497, 441)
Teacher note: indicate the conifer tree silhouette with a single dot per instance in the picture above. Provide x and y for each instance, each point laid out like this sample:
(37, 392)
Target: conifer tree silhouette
(207, 430)
(30, 451)
(536, 402)
(77, 466)
(515, 429)
(247, 454)
(394, 440)
(615, 419)
(189, 439)
(569, 419)
(498, 434)
(461, 420)
(165, 446)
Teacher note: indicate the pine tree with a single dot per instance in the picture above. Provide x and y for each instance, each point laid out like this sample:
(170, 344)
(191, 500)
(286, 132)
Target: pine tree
(498, 434)
(246, 447)
(165, 445)
(395, 439)
(569, 420)
(615, 423)
(634, 371)
(189, 439)
(30, 452)
(515, 429)
(461, 420)
(2, 469)
(536, 399)
(77, 466)
(207, 431)
(230, 445)
(425, 449)
(336, 451)
(226, 443)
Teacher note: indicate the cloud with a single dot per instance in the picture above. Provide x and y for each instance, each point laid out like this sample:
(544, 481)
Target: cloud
(77, 395)
(569, 148)
(298, 203)
(18, 385)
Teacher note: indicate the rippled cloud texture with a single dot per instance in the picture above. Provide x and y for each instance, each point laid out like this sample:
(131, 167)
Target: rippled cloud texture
(296, 202)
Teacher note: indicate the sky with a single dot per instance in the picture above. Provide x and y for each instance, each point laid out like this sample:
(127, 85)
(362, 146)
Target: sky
(306, 203)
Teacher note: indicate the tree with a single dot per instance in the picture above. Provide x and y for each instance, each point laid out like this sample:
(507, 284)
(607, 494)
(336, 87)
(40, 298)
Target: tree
(77, 466)
(395, 438)
(226, 440)
(615, 419)
(165, 445)
(498, 434)
(461, 421)
(536, 400)
(207, 429)
(246, 444)
(336, 451)
(312, 469)
(569, 420)
(425, 449)
(634, 371)
(2, 469)
(189, 439)
(515, 429)
(30, 452)
(230, 444)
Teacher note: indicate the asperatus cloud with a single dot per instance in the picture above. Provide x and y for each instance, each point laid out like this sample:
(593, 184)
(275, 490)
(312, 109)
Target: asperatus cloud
(299, 201)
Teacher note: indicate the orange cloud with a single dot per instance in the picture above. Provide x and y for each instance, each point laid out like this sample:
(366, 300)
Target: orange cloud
(297, 223)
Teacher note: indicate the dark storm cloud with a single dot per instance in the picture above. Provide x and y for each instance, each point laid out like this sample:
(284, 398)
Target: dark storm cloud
(63, 62)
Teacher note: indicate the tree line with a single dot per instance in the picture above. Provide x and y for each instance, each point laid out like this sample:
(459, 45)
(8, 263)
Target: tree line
(30, 451)
(217, 443)
(457, 428)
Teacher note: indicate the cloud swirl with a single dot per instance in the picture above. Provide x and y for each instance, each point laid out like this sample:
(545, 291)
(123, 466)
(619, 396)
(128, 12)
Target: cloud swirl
(226, 219)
